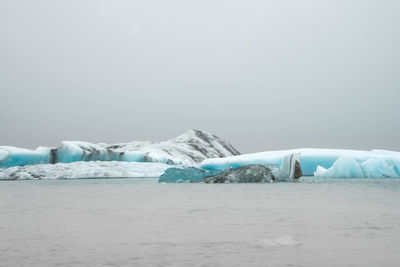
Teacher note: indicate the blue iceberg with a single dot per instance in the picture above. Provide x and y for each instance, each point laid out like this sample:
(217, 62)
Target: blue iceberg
(71, 151)
(348, 167)
(186, 175)
(14, 156)
(311, 158)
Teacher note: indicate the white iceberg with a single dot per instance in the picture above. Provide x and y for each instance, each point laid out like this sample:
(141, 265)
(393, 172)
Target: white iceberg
(80, 169)
(187, 149)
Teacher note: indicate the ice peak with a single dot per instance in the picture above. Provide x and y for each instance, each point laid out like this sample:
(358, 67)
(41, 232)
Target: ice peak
(192, 134)
(203, 141)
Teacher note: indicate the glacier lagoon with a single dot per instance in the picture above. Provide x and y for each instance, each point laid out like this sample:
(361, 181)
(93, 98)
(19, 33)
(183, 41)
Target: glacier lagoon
(51, 216)
(121, 214)
(140, 222)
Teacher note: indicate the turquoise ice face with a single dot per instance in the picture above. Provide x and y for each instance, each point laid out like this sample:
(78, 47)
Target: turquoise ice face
(374, 163)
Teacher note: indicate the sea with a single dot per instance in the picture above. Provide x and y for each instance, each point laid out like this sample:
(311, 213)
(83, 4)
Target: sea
(140, 222)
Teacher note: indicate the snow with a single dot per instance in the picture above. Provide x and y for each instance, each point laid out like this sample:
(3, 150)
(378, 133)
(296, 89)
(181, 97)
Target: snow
(311, 158)
(93, 169)
(188, 149)
(374, 167)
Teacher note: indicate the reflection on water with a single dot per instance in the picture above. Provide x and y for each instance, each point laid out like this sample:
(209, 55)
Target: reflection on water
(138, 222)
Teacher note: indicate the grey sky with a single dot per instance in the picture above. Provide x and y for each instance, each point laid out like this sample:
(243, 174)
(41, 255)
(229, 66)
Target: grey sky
(261, 74)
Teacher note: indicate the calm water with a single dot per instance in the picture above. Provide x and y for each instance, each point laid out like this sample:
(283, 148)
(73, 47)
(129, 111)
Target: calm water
(138, 222)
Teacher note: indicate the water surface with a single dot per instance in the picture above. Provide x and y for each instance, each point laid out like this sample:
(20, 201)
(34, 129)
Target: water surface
(138, 222)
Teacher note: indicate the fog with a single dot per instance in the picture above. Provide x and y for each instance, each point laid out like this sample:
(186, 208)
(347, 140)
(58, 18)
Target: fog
(261, 74)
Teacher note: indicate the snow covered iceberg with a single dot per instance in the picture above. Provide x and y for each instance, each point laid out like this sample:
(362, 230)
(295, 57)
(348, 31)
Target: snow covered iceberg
(311, 158)
(81, 169)
(187, 149)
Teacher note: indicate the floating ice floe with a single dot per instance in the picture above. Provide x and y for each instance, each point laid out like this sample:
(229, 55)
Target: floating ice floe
(93, 169)
(285, 240)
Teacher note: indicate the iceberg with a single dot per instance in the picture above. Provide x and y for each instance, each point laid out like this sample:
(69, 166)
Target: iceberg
(71, 151)
(188, 149)
(80, 169)
(348, 167)
(210, 155)
(311, 158)
(186, 175)
(255, 173)
(14, 156)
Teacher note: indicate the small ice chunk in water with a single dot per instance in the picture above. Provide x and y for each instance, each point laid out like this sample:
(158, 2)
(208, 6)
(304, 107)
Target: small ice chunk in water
(285, 240)
(188, 175)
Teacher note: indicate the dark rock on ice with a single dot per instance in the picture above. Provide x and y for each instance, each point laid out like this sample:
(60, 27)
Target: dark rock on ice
(255, 173)
(297, 171)
(290, 168)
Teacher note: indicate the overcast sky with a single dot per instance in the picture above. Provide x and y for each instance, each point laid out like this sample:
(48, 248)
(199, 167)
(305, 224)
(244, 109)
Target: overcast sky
(262, 74)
